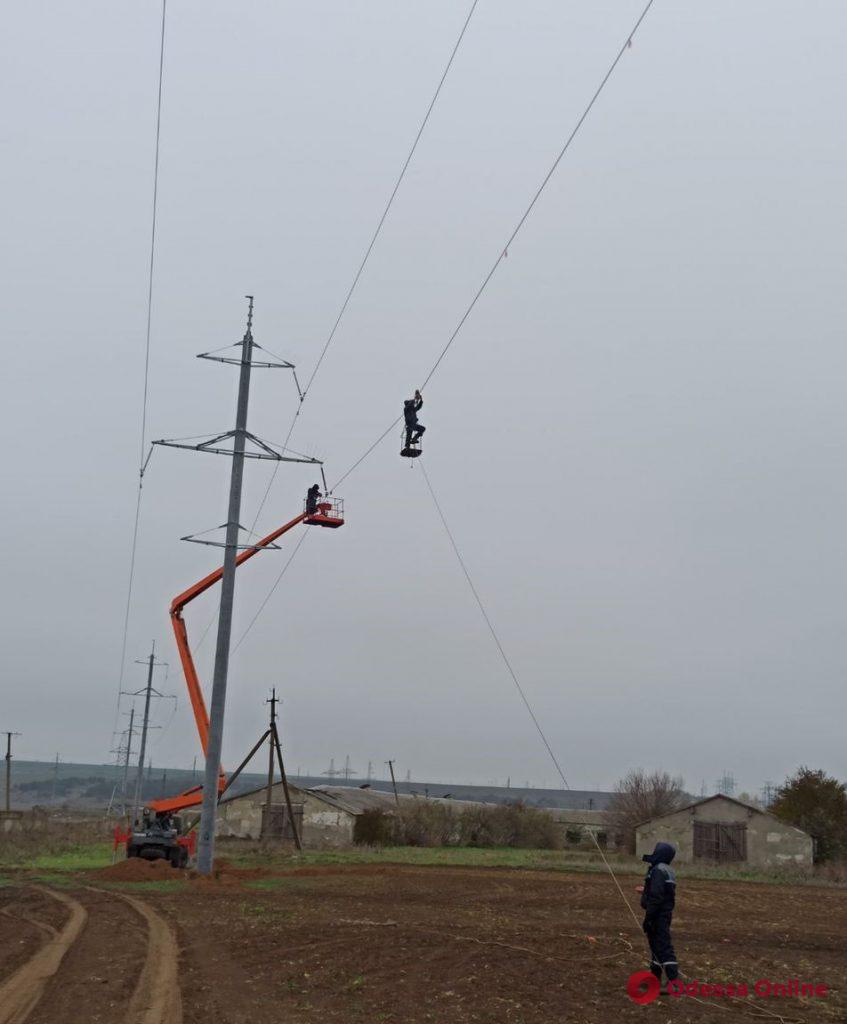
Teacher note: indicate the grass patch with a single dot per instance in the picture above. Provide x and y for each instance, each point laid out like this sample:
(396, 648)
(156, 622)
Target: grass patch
(78, 857)
(245, 854)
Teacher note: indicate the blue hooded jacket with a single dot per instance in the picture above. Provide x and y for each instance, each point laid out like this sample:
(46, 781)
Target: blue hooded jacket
(659, 894)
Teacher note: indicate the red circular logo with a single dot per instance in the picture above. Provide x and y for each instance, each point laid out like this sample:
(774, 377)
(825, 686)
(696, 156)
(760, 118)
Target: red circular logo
(643, 987)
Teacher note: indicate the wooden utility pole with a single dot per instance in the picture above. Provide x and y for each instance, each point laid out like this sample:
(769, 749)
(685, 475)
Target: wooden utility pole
(9, 736)
(266, 830)
(393, 782)
(291, 818)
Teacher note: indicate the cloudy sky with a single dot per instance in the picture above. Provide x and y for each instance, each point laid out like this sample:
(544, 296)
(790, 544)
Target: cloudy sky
(638, 436)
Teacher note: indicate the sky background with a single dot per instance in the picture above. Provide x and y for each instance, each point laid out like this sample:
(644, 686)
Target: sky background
(638, 437)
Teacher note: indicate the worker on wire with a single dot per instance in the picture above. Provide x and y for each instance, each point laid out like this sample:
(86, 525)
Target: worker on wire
(658, 896)
(414, 430)
(313, 496)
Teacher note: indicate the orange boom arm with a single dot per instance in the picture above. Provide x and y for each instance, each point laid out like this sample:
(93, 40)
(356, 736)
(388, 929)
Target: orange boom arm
(194, 796)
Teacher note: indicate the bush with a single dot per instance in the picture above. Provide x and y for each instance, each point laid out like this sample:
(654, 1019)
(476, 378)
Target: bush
(427, 823)
(374, 828)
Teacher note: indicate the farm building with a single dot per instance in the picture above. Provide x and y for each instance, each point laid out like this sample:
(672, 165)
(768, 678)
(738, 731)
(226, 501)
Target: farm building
(725, 830)
(325, 816)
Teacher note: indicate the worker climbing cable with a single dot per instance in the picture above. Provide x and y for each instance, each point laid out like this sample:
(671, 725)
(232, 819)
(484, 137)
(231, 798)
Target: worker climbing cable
(414, 429)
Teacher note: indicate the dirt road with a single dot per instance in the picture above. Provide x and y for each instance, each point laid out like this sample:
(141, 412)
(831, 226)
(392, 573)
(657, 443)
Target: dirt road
(85, 955)
(411, 945)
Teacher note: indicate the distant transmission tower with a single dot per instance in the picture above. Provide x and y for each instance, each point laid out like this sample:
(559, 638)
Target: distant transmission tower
(726, 784)
(769, 793)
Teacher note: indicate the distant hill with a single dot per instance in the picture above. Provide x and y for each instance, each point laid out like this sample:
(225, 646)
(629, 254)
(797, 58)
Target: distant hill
(94, 786)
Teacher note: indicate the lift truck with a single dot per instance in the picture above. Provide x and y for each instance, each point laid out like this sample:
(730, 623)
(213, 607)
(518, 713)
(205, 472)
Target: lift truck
(162, 834)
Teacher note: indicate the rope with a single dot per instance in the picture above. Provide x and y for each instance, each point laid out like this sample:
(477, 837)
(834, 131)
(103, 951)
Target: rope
(517, 683)
(503, 250)
(144, 402)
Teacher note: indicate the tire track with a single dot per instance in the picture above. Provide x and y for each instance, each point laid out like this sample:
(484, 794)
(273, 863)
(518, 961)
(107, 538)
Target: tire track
(21, 992)
(157, 998)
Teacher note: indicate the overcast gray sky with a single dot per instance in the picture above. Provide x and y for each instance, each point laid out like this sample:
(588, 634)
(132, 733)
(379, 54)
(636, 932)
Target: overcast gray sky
(638, 437)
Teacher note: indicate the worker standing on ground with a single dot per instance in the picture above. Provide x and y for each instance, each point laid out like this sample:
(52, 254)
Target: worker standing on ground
(313, 495)
(658, 898)
(414, 430)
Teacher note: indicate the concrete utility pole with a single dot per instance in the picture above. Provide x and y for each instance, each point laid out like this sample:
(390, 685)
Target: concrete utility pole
(55, 780)
(208, 815)
(393, 782)
(9, 736)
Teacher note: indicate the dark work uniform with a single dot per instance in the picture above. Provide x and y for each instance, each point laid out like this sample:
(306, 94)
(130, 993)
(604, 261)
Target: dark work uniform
(410, 413)
(312, 496)
(658, 901)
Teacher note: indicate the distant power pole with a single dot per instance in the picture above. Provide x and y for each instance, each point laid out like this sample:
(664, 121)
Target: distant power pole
(129, 735)
(393, 782)
(370, 770)
(409, 775)
(55, 780)
(194, 769)
(9, 736)
(149, 690)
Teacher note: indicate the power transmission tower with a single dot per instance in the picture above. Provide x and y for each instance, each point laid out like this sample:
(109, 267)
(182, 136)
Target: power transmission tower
(9, 736)
(370, 771)
(260, 450)
(332, 771)
(149, 691)
(122, 753)
(726, 784)
(769, 793)
(347, 771)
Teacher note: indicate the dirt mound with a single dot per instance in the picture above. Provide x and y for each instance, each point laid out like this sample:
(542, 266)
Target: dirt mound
(134, 869)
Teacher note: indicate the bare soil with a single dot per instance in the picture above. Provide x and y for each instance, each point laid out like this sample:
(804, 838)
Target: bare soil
(409, 945)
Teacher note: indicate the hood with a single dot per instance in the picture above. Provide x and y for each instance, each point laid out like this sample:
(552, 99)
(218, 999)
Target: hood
(663, 854)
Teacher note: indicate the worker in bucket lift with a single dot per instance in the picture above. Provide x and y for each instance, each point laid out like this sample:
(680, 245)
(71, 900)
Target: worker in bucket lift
(313, 496)
(658, 896)
(414, 430)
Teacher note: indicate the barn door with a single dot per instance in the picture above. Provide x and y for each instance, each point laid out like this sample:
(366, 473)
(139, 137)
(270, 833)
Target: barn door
(721, 843)
(279, 826)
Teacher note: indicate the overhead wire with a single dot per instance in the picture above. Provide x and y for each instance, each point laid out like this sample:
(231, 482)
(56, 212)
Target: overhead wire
(353, 285)
(572, 135)
(515, 231)
(142, 461)
(371, 245)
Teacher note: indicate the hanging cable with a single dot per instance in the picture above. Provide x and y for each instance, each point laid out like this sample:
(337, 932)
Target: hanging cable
(515, 679)
(504, 248)
(270, 594)
(375, 444)
(142, 461)
(304, 392)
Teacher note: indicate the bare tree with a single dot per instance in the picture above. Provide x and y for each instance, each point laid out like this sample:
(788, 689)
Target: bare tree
(639, 796)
